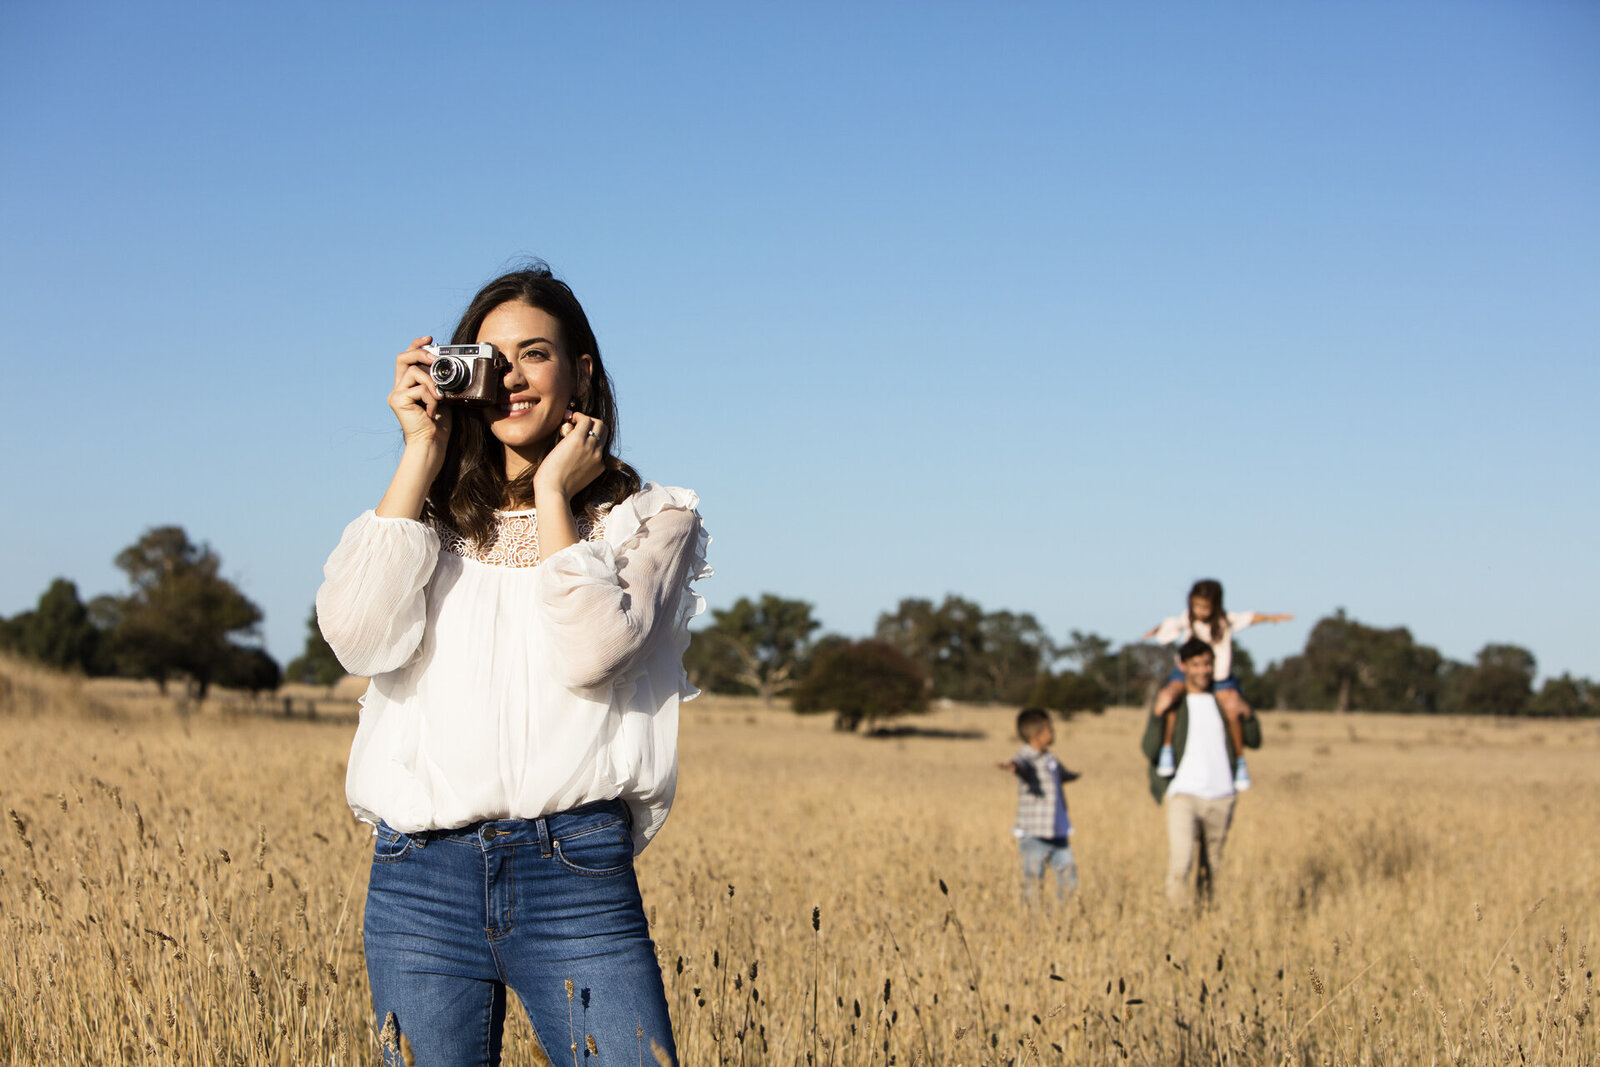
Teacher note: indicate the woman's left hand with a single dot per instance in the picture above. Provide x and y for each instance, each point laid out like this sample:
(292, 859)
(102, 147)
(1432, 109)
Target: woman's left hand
(576, 460)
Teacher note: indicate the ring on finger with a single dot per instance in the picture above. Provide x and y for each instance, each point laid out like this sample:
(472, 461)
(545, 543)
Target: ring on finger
(594, 433)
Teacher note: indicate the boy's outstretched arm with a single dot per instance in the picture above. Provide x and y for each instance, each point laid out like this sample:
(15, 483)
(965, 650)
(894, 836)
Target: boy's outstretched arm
(1029, 776)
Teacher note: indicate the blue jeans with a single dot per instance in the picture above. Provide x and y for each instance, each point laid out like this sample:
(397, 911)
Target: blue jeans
(549, 907)
(1217, 684)
(1037, 854)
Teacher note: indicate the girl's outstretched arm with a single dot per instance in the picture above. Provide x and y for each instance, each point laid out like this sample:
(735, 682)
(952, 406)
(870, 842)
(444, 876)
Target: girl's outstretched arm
(1167, 631)
(1238, 620)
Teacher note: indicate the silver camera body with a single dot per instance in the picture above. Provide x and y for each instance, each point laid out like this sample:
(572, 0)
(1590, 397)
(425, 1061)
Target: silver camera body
(468, 374)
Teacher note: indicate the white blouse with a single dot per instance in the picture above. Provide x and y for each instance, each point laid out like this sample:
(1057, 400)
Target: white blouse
(1175, 629)
(506, 687)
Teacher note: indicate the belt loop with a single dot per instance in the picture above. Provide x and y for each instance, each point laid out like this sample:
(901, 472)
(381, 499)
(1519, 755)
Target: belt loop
(544, 836)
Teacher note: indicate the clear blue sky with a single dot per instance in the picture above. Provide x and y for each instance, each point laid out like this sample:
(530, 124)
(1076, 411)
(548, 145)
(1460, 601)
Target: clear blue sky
(1056, 306)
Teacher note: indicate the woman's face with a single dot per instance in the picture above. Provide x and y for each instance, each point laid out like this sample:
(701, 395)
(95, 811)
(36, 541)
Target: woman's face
(1202, 608)
(542, 379)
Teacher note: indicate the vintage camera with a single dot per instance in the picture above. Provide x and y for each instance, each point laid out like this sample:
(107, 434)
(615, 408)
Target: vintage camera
(468, 374)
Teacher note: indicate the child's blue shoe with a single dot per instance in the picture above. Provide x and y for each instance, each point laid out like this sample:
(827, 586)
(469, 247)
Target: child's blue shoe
(1241, 776)
(1166, 767)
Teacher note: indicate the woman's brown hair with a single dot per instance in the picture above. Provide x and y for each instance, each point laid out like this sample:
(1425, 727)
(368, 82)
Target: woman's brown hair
(472, 483)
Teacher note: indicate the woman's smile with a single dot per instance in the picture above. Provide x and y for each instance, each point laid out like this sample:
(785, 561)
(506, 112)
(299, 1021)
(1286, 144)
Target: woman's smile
(541, 380)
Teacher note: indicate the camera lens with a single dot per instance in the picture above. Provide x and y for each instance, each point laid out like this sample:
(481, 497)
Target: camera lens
(449, 373)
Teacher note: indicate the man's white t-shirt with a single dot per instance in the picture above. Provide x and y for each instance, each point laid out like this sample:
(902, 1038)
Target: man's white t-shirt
(1204, 771)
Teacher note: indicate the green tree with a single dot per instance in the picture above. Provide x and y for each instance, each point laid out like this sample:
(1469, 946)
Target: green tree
(861, 681)
(58, 631)
(946, 641)
(1069, 692)
(1501, 683)
(1013, 651)
(106, 613)
(182, 615)
(969, 654)
(316, 665)
(11, 632)
(1134, 673)
(1453, 679)
(1347, 664)
(1091, 652)
(1336, 650)
(1566, 697)
(765, 642)
(1128, 675)
(251, 669)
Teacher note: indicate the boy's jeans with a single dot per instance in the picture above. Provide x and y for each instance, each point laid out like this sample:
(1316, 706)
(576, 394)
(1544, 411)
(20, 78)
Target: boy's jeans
(454, 917)
(1039, 853)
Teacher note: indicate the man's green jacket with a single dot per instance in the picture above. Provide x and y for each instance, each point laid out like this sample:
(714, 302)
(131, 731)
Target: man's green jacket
(1151, 743)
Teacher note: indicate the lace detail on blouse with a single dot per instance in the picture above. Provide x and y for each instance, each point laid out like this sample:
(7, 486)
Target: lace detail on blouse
(516, 538)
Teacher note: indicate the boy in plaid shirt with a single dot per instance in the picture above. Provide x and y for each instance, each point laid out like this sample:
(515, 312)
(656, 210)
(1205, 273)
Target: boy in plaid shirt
(1042, 830)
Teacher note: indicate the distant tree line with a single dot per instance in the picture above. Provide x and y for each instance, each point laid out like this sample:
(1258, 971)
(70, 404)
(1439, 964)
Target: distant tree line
(180, 620)
(921, 651)
(1350, 666)
(956, 650)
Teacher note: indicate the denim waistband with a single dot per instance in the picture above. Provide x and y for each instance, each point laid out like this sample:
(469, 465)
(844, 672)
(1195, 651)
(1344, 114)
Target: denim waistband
(540, 830)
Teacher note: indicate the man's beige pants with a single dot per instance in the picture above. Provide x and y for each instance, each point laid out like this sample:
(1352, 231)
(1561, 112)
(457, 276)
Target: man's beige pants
(1192, 822)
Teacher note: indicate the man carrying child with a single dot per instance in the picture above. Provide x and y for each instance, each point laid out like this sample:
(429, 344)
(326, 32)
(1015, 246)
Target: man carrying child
(1042, 830)
(1199, 796)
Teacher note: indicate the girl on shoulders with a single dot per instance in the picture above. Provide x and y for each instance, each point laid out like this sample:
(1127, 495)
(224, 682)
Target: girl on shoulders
(1207, 620)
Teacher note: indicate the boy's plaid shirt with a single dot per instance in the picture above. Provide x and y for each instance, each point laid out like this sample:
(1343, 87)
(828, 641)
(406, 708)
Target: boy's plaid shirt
(1039, 781)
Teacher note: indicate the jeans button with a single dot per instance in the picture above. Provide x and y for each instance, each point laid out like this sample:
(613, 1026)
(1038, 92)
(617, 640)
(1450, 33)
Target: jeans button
(490, 833)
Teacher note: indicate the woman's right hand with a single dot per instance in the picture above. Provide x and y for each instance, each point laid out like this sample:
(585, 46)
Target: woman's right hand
(415, 399)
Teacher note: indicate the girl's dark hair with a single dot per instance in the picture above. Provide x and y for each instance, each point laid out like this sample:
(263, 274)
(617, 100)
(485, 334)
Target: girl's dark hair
(1210, 590)
(472, 483)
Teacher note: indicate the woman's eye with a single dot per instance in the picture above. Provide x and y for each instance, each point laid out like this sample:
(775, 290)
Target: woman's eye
(537, 355)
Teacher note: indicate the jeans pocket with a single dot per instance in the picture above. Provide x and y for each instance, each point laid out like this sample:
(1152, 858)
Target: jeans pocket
(601, 852)
(389, 844)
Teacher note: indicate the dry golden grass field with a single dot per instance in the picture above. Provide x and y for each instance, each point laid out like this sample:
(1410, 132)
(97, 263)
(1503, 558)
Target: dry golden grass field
(187, 889)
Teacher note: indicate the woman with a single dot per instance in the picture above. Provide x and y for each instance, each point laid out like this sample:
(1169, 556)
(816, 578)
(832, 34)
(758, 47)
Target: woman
(521, 603)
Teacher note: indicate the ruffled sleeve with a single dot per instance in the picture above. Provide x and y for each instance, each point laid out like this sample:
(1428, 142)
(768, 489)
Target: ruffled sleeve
(608, 601)
(371, 607)
(1171, 630)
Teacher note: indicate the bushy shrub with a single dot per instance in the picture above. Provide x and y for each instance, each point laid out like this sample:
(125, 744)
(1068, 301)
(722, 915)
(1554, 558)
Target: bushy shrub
(1068, 692)
(861, 681)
